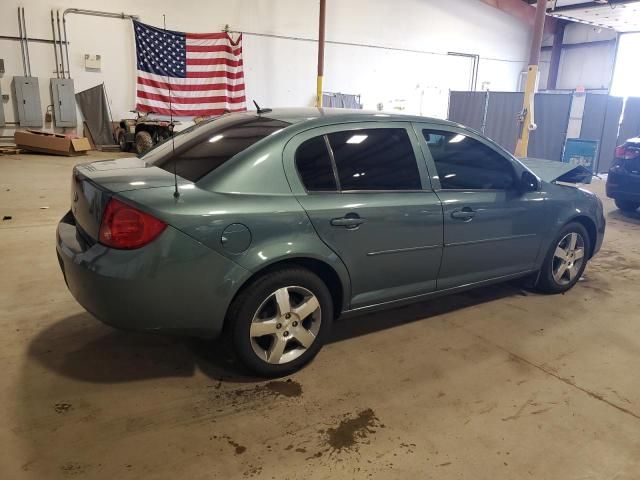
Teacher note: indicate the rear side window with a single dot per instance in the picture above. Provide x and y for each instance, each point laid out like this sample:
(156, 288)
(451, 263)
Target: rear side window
(314, 166)
(375, 159)
(464, 163)
(204, 149)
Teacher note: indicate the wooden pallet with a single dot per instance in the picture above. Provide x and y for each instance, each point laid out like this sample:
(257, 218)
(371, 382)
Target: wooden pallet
(10, 150)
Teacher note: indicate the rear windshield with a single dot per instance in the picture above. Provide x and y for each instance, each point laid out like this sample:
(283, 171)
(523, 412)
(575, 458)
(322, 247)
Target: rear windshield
(197, 151)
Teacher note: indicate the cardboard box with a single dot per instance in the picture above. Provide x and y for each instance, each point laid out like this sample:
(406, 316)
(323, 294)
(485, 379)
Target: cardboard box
(53, 143)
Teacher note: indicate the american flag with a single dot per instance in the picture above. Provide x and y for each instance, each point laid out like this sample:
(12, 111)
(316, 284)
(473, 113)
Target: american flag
(188, 74)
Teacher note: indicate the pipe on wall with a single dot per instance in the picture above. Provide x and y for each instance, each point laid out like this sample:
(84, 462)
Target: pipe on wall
(321, 30)
(64, 71)
(55, 47)
(24, 59)
(81, 11)
(26, 42)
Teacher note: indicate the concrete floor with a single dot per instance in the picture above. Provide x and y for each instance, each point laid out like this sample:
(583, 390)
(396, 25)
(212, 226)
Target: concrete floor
(495, 383)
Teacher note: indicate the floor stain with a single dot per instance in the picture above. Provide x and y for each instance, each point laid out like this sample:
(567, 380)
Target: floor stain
(239, 449)
(241, 397)
(73, 468)
(288, 388)
(352, 431)
(62, 407)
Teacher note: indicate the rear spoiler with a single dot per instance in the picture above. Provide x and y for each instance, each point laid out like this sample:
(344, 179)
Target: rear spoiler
(552, 171)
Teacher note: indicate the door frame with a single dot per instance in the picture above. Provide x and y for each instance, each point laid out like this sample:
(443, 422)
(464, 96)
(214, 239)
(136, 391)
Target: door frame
(289, 151)
(431, 164)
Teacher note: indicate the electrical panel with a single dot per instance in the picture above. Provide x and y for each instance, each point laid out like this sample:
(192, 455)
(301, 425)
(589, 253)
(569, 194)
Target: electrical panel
(1, 109)
(26, 92)
(64, 102)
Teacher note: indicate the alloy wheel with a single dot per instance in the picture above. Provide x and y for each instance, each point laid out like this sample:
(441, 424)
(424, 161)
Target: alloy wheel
(568, 258)
(285, 325)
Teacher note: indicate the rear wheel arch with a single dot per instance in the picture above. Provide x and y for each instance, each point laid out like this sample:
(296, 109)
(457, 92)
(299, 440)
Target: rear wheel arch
(322, 269)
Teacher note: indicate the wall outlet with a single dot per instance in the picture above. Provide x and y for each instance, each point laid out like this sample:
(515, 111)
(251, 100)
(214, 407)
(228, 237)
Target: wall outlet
(92, 62)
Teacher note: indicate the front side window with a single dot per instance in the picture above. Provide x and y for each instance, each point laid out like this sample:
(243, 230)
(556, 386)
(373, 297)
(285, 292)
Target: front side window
(464, 163)
(375, 159)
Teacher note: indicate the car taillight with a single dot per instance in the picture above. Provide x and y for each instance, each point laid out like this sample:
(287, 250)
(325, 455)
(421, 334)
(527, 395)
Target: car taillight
(126, 227)
(625, 153)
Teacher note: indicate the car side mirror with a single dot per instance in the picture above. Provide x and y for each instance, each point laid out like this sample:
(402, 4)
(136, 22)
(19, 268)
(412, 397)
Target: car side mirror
(529, 182)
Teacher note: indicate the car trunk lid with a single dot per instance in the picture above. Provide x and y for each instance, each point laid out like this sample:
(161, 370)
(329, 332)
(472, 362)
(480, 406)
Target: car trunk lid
(93, 184)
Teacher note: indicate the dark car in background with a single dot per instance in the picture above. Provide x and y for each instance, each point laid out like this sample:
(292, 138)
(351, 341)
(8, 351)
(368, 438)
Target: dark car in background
(623, 181)
(265, 227)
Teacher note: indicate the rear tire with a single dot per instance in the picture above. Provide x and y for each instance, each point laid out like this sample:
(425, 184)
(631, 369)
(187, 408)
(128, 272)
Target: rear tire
(566, 259)
(144, 142)
(122, 141)
(280, 321)
(626, 205)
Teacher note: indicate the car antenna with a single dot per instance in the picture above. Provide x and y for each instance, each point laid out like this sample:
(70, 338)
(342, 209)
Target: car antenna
(261, 110)
(176, 193)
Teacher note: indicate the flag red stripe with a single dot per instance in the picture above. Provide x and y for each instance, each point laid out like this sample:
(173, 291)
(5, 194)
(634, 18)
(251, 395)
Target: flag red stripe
(208, 36)
(214, 48)
(189, 100)
(186, 113)
(214, 61)
(217, 74)
(193, 87)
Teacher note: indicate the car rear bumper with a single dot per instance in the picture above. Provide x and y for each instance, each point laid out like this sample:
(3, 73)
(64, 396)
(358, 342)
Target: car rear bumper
(623, 186)
(174, 284)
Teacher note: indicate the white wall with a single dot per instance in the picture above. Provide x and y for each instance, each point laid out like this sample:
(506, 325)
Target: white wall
(584, 65)
(281, 72)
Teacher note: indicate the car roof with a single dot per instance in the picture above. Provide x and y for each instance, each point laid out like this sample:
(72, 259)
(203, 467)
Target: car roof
(328, 116)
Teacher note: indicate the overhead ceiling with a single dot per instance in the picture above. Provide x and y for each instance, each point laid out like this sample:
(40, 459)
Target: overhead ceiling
(619, 15)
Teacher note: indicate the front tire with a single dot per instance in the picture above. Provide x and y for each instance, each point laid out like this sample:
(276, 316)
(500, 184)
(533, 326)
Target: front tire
(566, 259)
(626, 205)
(280, 321)
(144, 142)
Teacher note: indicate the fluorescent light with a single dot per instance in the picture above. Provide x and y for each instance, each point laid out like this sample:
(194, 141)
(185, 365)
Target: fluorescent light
(137, 183)
(187, 187)
(457, 139)
(215, 138)
(357, 138)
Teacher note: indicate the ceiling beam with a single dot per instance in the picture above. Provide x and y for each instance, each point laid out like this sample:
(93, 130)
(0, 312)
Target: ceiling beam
(523, 11)
(585, 5)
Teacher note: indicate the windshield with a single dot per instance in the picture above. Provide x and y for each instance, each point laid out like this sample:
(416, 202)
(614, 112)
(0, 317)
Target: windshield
(200, 149)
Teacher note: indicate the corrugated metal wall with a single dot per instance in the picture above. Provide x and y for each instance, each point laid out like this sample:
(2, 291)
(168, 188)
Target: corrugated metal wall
(600, 122)
(501, 123)
(467, 108)
(552, 118)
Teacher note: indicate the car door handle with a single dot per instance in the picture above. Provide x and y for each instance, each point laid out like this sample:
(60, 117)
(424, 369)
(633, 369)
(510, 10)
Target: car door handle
(348, 221)
(464, 214)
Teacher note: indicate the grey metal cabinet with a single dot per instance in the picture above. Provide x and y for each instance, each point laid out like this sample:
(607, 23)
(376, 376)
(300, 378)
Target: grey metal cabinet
(27, 97)
(64, 102)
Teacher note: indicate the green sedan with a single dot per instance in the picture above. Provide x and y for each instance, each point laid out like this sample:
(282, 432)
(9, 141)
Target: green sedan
(265, 227)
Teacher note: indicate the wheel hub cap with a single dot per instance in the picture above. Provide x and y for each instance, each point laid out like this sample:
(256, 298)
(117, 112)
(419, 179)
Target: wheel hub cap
(285, 325)
(568, 258)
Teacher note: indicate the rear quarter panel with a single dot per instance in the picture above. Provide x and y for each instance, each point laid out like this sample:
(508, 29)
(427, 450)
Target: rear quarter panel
(279, 227)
